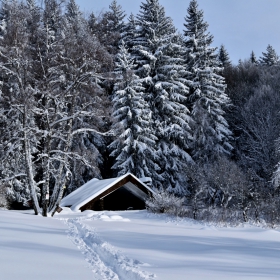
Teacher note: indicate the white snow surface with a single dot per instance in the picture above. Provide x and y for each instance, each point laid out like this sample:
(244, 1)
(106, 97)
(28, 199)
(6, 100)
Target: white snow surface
(90, 190)
(132, 245)
(33, 247)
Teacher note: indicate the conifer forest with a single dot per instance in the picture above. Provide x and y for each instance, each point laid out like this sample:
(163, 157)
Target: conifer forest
(101, 95)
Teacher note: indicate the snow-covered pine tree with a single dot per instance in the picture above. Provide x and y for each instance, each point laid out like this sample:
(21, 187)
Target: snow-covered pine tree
(129, 32)
(211, 134)
(111, 26)
(35, 32)
(117, 17)
(223, 56)
(134, 148)
(159, 63)
(92, 23)
(52, 32)
(152, 24)
(253, 58)
(172, 117)
(75, 20)
(52, 19)
(34, 16)
(270, 57)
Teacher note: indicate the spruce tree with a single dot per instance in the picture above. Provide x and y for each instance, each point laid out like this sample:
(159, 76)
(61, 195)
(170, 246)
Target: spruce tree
(253, 58)
(134, 148)
(52, 18)
(223, 56)
(111, 27)
(75, 21)
(72, 11)
(211, 134)
(129, 32)
(92, 23)
(160, 65)
(270, 57)
(117, 17)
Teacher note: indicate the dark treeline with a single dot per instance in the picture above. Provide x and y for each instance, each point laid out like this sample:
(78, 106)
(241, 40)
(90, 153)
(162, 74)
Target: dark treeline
(100, 96)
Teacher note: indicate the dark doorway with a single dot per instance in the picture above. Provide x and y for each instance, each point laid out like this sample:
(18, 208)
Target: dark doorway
(121, 199)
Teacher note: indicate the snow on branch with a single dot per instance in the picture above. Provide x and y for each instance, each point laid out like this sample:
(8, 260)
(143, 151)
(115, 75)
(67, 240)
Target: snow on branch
(14, 177)
(83, 130)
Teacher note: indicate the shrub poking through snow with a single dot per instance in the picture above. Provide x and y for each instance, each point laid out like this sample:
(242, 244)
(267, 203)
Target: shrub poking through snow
(165, 202)
(4, 202)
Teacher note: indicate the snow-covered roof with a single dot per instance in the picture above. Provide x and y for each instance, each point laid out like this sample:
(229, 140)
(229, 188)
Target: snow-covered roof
(94, 188)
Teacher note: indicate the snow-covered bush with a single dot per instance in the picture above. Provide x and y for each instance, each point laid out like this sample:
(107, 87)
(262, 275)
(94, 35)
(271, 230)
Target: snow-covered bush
(165, 202)
(4, 202)
(219, 191)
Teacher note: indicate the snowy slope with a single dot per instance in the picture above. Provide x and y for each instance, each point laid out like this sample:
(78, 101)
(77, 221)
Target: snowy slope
(132, 245)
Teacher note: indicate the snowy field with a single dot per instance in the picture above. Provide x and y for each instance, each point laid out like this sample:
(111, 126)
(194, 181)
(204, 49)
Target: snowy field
(132, 245)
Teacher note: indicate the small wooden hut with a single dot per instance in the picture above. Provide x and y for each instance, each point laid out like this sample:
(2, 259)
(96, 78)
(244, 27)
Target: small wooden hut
(122, 193)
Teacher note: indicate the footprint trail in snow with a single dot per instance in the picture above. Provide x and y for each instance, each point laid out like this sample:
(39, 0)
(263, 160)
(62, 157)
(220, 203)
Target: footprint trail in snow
(105, 261)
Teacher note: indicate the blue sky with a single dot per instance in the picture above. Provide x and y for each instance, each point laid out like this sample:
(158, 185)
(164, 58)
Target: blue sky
(241, 25)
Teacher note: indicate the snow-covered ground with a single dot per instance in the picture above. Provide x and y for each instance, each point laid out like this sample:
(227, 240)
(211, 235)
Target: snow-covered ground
(33, 247)
(132, 245)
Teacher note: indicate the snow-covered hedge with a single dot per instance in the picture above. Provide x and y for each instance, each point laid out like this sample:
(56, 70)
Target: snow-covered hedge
(165, 202)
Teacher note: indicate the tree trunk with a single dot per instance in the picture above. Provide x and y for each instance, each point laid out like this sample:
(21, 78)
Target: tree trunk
(46, 177)
(29, 168)
(60, 181)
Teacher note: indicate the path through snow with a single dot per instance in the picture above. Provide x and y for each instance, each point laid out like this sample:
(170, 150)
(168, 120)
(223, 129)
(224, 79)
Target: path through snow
(105, 261)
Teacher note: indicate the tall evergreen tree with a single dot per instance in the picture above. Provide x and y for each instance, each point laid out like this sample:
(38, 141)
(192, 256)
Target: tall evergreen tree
(253, 58)
(270, 57)
(52, 18)
(117, 17)
(111, 27)
(129, 32)
(73, 12)
(75, 20)
(134, 148)
(160, 65)
(223, 56)
(207, 89)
